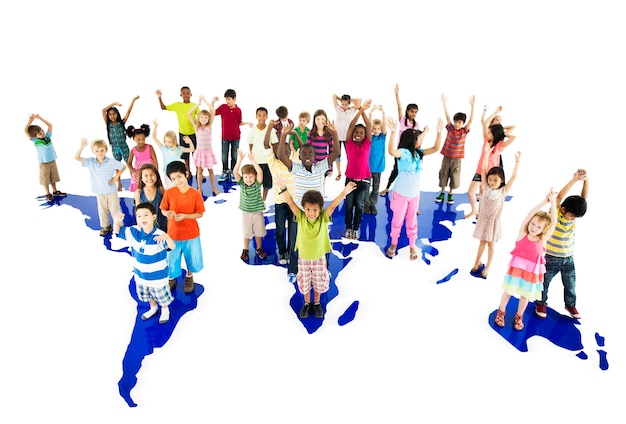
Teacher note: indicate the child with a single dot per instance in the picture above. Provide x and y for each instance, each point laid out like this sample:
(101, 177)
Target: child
(527, 266)
(321, 139)
(184, 126)
(344, 114)
(495, 119)
(283, 120)
(257, 149)
(170, 150)
(150, 190)
(48, 172)
(251, 203)
(495, 135)
(453, 150)
(494, 190)
(203, 156)
(302, 130)
(405, 194)
(358, 142)
(376, 159)
(149, 247)
(405, 121)
(140, 154)
(231, 133)
(313, 243)
(182, 205)
(560, 246)
(104, 173)
(116, 132)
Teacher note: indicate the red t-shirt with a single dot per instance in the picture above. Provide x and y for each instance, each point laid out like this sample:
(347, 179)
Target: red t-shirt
(231, 119)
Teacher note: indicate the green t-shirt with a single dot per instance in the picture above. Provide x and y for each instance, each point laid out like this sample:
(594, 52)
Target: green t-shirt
(301, 139)
(181, 109)
(313, 240)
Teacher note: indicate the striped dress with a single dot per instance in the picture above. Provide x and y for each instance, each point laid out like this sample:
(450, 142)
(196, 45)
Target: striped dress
(526, 269)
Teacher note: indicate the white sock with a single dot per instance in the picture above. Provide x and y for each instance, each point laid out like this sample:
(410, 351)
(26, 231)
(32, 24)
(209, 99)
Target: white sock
(165, 315)
(150, 313)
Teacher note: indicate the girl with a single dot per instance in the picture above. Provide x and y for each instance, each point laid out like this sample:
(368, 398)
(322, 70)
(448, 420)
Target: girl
(358, 143)
(498, 138)
(204, 156)
(151, 190)
(406, 191)
(405, 122)
(170, 149)
(140, 154)
(116, 132)
(528, 264)
(494, 191)
(321, 138)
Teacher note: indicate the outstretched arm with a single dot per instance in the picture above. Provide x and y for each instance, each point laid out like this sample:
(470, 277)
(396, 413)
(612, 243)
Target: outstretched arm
(437, 144)
(472, 100)
(106, 108)
(551, 199)
(336, 147)
(259, 171)
(396, 91)
(444, 98)
(240, 156)
(391, 143)
(579, 175)
(191, 116)
(513, 176)
(155, 125)
(486, 121)
(130, 107)
(282, 151)
(83, 144)
(31, 118)
(337, 200)
(163, 107)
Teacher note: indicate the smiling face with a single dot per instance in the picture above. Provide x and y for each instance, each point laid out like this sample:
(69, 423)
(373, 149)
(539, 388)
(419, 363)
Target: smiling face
(261, 117)
(494, 181)
(307, 155)
(140, 140)
(536, 226)
(169, 142)
(249, 179)
(112, 114)
(458, 124)
(179, 180)
(203, 118)
(377, 129)
(312, 211)
(411, 114)
(185, 93)
(148, 177)
(358, 134)
(145, 219)
(99, 152)
(320, 121)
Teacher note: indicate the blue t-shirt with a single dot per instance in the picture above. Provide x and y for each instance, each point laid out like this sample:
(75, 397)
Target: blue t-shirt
(377, 153)
(101, 174)
(408, 182)
(45, 149)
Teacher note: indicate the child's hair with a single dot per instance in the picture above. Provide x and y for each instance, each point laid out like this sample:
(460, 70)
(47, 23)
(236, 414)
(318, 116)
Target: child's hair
(132, 131)
(499, 172)
(146, 205)
(497, 131)
(314, 129)
(408, 138)
(230, 93)
(261, 109)
(546, 219)
(171, 134)
(346, 97)
(305, 115)
(576, 205)
(158, 183)
(377, 122)
(282, 112)
(248, 169)
(119, 119)
(184, 87)
(99, 143)
(313, 197)
(175, 166)
(204, 112)
(459, 116)
(409, 107)
(33, 130)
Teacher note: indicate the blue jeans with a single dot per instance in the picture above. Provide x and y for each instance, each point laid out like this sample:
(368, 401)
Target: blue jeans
(354, 204)
(233, 145)
(565, 266)
(283, 215)
(372, 198)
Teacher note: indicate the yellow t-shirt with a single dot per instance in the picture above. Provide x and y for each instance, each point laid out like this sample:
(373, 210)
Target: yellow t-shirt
(184, 125)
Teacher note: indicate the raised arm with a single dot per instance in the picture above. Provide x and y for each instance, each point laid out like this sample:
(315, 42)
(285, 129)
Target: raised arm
(237, 166)
(444, 99)
(486, 121)
(31, 118)
(336, 147)
(106, 108)
(337, 200)
(513, 176)
(130, 107)
(435, 148)
(191, 117)
(472, 100)
(391, 143)
(551, 199)
(83, 144)
(155, 125)
(282, 151)
(361, 107)
(259, 171)
(396, 91)
(579, 175)
(158, 93)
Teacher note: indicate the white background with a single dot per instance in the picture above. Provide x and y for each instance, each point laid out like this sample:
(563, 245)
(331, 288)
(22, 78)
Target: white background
(417, 351)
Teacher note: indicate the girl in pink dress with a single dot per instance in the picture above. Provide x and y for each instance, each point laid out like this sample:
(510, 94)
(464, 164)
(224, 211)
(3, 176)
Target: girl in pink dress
(140, 154)
(528, 264)
(488, 227)
(204, 158)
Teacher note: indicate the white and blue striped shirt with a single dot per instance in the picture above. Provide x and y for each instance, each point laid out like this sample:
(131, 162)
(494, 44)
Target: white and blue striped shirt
(150, 256)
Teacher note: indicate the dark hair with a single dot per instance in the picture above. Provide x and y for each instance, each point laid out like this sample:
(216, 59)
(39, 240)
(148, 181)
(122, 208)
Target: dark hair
(409, 107)
(154, 169)
(146, 205)
(230, 93)
(261, 109)
(499, 172)
(282, 112)
(313, 197)
(327, 134)
(408, 139)
(497, 131)
(459, 116)
(108, 121)
(175, 166)
(346, 97)
(132, 131)
(576, 205)
(185, 87)
(33, 130)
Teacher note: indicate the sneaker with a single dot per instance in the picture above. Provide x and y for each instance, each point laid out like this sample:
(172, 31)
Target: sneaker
(355, 234)
(261, 254)
(540, 310)
(244, 255)
(318, 311)
(572, 311)
(439, 198)
(223, 176)
(232, 178)
(304, 311)
(348, 233)
(450, 199)
(106, 230)
(283, 258)
(293, 278)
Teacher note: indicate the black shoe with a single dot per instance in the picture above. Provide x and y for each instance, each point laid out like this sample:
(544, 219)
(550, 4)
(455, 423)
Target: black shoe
(245, 255)
(304, 311)
(318, 311)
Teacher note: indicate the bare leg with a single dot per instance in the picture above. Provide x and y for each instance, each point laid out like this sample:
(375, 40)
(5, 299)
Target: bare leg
(213, 185)
(490, 250)
(199, 178)
(471, 195)
(479, 254)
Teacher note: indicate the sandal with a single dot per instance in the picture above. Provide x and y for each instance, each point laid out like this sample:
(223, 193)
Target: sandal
(244, 255)
(477, 271)
(338, 177)
(518, 324)
(413, 256)
(49, 197)
(483, 275)
(500, 318)
(261, 254)
(59, 193)
(390, 252)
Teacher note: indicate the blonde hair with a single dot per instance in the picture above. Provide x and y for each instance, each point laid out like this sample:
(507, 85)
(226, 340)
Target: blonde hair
(171, 134)
(206, 113)
(99, 143)
(377, 122)
(305, 115)
(546, 219)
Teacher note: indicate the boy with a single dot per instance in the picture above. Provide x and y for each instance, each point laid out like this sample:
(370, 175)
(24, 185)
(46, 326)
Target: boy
(376, 159)
(283, 120)
(231, 133)
(48, 172)
(257, 149)
(149, 246)
(302, 131)
(453, 150)
(313, 243)
(345, 113)
(183, 206)
(104, 172)
(185, 127)
(251, 204)
(560, 246)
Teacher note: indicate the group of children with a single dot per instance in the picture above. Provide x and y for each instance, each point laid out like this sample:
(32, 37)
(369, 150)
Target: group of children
(294, 161)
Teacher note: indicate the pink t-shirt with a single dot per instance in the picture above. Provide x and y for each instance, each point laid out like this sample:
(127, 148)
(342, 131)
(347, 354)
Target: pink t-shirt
(494, 157)
(358, 166)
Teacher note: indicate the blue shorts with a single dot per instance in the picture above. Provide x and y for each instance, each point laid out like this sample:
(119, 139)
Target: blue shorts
(162, 295)
(191, 250)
